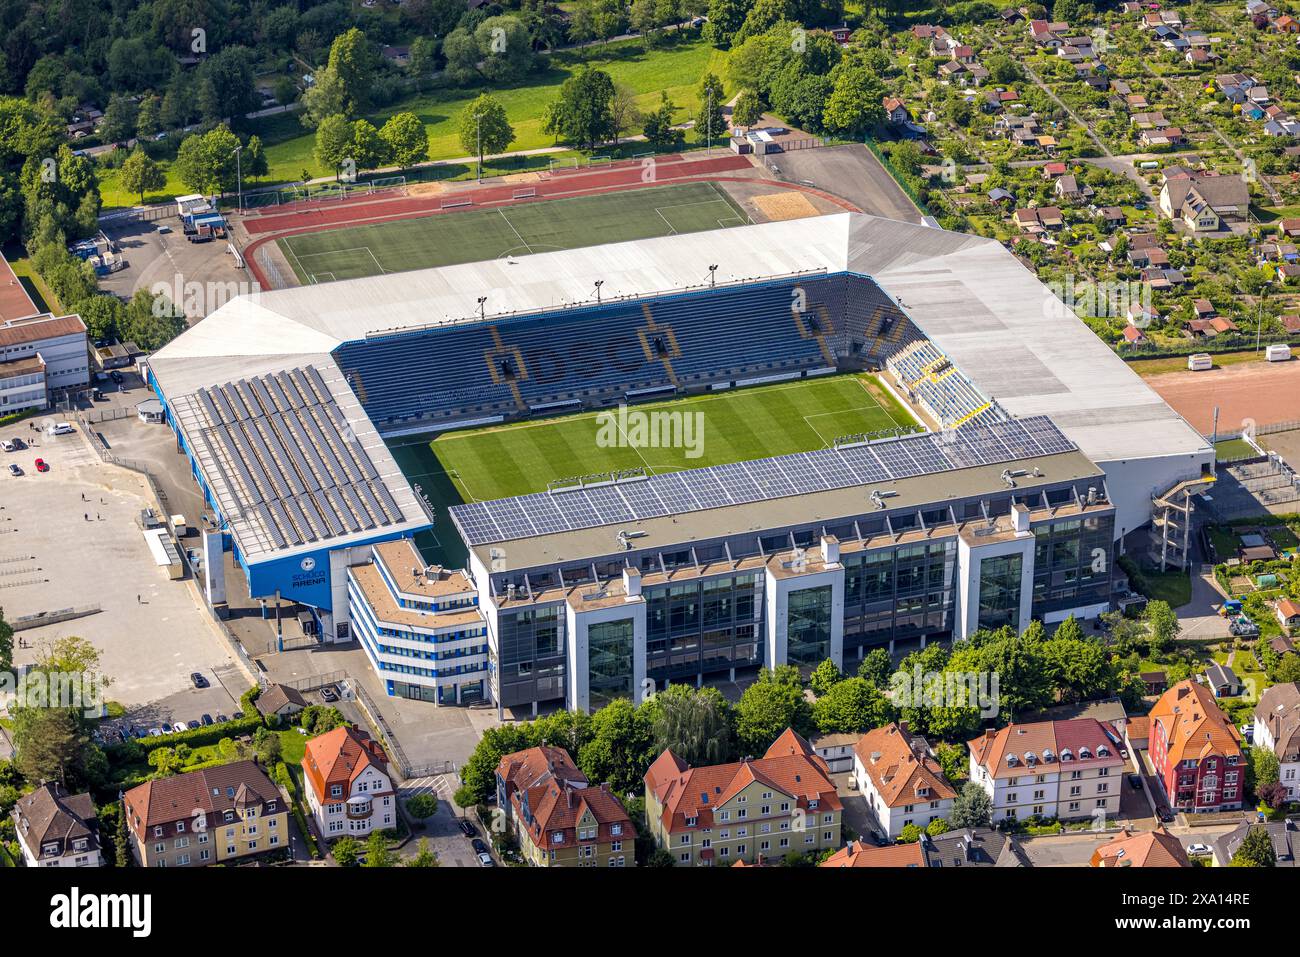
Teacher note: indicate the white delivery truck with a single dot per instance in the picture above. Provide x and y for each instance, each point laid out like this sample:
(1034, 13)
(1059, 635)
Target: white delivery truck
(1279, 352)
(1200, 362)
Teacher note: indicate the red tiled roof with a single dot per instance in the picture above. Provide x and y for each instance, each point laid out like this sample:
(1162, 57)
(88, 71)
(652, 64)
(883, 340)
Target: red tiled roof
(1193, 724)
(1058, 737)
(858, 854)
(338, 757)
(901, 767)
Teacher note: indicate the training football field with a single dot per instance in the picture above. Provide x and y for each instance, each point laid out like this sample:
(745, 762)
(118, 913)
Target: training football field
(444, 239)
(518, 458)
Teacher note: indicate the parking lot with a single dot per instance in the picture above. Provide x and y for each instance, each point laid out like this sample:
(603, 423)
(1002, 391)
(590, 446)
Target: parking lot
(69, 538)
(156, 259)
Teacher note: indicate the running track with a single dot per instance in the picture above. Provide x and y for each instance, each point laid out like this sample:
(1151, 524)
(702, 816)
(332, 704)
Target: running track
(315, 216)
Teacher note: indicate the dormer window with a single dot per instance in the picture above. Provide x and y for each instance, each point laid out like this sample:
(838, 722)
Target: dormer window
(1067, 754)
(336, 790)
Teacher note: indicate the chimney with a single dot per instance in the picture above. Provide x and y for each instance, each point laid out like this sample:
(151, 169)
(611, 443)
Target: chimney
(1020, 517)
(830, 550)
(631, 583)
(902, 726)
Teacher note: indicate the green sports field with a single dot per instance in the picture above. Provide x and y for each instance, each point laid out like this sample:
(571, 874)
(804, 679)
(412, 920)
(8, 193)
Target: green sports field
(752, 423)
(445, 239)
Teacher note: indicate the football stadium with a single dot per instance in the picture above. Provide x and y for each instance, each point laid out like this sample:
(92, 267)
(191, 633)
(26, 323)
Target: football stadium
(869, 434)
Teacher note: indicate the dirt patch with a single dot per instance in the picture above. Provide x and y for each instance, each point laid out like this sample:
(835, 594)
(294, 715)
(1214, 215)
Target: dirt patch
(1265, 393)
(522, 178)
(426, 189)
(787, 204)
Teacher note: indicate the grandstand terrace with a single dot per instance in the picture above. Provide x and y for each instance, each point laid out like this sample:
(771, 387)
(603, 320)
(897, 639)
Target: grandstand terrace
(969, 331)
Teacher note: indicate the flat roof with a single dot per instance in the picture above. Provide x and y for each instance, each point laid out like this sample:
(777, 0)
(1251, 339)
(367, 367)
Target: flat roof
(14, 301)
(39, 328)
(827, 507)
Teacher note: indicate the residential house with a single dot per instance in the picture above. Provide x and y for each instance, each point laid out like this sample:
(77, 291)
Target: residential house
(973, 847)
(1196, 751)
(1133, 336)
(1261, 8)
(348, 785)
(1204, 201)
(1285, 24)
(1290, 227)
(1067, 187)
(1288, 613)
(861, 854)
(1052, 769)
(1052, 170)
(225, 814)
(57, 829)
(1111, 216)
(1277, 727)
(1223, 681)
(280, 700)
(895, 112)
(532, 768)
(1000, 197)
(1157, 682)
(1039, 218)
(1284, 834)
(1156, 848)
(836, 750)
(900, 780)
(1198, 56)
(563, 825)
(1137, 733)
(1048, 34)
(782, 803)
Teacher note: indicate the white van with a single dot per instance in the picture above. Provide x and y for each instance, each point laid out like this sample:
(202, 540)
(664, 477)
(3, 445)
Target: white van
(1280, 352)
(61, 428)
(1200, 362)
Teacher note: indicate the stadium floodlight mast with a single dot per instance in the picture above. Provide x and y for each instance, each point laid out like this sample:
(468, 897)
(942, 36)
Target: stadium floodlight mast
(599, 283)
(239, 177)
(713, 274)
(481, 311)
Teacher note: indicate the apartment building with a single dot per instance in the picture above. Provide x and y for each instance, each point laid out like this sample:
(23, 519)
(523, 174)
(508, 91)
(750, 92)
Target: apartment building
(533, 768)
(899, 778)
(349, 788)
(1277, 727)
(1196, 751)
(216, 815)
(1069, 769)
(57, 829)
(782, 803)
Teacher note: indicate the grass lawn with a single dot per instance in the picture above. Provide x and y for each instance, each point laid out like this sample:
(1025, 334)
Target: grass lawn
(1150, 367)
(676, 69)
(443, 240)
(1230, 449)
(516, 459)
(1225, 542)
(40, 293)
(1172, 586)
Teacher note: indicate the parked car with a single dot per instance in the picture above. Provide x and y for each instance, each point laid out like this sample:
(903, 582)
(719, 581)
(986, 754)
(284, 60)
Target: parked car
(179, 726)
(116, 376)
(1199, 850)
(155, 732)
(329, 694)
(468, 829)
(7, 445)
(1165, 814)
(485, 860)
(1135, 782)
(198, 680)
(221, 718)
(207, 720)
(192, 725)
(14, 469)
(41, 465)
(479, 846)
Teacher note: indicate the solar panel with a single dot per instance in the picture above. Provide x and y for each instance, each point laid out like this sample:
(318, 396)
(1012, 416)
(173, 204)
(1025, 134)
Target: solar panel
(740, 487)
(510, 518)
(674, 493)
(865, 465)
(609, 505)
(769, 478)
(642, 499)
(543, 513)
(575, 508)
(706, 488)
(831, 466)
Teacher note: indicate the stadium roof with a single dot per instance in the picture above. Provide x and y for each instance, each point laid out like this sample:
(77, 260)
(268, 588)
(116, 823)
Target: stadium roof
(998, 323)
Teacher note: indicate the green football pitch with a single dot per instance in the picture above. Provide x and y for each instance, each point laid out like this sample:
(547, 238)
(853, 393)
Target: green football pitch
(445, 239)
(715, 429)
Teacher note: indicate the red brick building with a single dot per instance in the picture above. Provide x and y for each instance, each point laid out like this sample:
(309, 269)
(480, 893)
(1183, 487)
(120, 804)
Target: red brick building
(1196, 751)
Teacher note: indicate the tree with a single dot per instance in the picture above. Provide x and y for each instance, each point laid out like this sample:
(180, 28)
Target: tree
(851, 705)
(854, 105)
(748, 109)
(910, 834)
(422, 806)
(695, 725)
(354, 61)
(206, 162)
(1265, 766)
(506, 51)
(771, 704)
(623, 111)
(378, 853)
(710, 122)
(333, 141)
(583, 114)
(424, 856)
(47, 743)
(368, 150)
(254, 163)
(406, 139)
(824, 677)
(122, 839)
(936, 827)
(660, 858)
(954, 760)
(972, 807)
(1079, 668)
(120, 120)
(1162, 626)
(621, 747)
(1256, 850)
(140, 174)
(659, 131)
(227, 87)
(484, 129)
(725, 19)
(346, 851)
(460, 51)
(876, 667)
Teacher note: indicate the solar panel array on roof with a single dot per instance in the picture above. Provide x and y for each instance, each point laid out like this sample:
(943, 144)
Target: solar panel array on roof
(760, 480)
(283, 440)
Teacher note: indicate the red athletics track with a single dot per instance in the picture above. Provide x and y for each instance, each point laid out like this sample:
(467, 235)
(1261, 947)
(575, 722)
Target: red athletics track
(317, 216)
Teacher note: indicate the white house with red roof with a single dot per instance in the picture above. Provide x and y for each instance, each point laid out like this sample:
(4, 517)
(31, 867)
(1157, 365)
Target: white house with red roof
(1050, 769)
(900, 779)
(348, 785)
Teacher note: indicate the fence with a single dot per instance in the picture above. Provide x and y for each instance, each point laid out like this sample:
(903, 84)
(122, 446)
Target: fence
(95, 416)
(1241, 342)
(386, 734)
(271, 269)
(315, 682)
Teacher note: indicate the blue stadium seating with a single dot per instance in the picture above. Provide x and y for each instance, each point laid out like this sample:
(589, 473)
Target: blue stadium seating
(596, 355)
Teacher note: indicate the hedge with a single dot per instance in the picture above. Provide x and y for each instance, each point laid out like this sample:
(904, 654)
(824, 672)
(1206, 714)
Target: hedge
(131, 751)
(285, 780)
